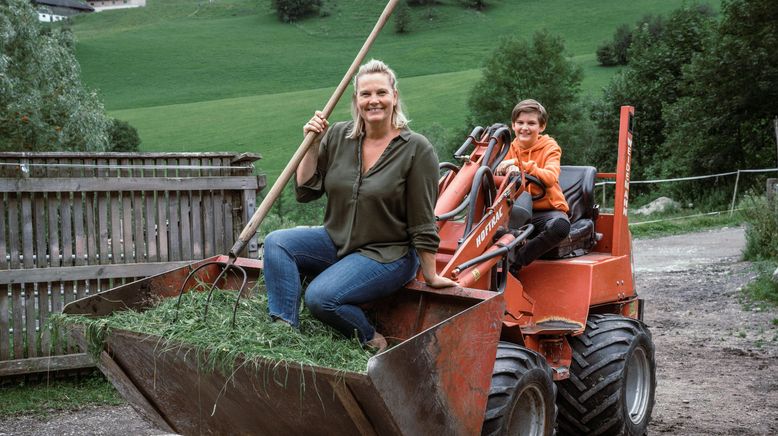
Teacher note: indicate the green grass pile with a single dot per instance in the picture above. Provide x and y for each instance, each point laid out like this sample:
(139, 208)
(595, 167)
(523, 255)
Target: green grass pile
(218, 345)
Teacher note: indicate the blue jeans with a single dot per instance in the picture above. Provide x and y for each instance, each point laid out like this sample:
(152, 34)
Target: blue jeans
(339, 286)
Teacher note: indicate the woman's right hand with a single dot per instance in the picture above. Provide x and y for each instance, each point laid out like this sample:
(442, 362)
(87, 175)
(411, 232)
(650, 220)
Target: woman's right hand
(317, 124)
(438, 281)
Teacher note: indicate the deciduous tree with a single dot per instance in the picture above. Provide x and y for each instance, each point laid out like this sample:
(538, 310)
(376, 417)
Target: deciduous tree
(43, 104)
(519, 69)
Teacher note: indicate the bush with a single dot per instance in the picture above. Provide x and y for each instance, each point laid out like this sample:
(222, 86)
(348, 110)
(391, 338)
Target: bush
(293, 10)
(402, 18)
(606, 54)
(479, 5)
(123, 137)
(762, 228)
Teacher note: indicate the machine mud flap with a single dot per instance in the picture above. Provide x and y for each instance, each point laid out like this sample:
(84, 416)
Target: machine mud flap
(434, 382)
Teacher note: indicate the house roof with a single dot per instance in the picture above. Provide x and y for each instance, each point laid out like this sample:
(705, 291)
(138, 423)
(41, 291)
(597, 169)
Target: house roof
(70, 4)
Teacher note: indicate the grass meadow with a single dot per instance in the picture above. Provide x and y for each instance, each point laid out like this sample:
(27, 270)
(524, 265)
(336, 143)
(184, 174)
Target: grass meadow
(228, 76)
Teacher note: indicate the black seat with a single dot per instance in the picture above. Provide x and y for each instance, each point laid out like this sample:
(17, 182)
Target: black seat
(577, 183)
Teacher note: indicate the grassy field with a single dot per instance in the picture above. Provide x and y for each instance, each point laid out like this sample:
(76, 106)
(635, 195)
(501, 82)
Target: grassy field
(228, 76)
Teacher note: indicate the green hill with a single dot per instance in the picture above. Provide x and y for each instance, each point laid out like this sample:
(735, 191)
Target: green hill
(227, 75)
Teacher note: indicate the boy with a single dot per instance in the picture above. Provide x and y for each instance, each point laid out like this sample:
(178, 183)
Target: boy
(539, 156)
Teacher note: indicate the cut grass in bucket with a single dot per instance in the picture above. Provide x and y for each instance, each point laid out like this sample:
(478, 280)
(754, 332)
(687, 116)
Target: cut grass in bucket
(218, 344)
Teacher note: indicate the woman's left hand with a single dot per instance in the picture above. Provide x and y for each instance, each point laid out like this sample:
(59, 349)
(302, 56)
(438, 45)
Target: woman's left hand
(439, 281)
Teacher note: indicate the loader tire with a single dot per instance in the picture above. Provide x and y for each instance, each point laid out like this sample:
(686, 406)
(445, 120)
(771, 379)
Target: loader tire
(521, 397)
(612, 379)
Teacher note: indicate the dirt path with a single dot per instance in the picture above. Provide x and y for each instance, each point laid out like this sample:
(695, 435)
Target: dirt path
(717, 362)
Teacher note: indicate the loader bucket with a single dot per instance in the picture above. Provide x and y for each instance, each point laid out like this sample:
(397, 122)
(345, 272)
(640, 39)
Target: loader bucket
(434, 380)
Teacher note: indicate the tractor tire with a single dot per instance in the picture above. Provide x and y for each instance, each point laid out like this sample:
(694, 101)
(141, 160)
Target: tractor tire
(521, 397)
(612, 379)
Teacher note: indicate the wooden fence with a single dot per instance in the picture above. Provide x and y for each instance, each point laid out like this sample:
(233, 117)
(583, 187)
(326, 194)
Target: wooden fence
(72, 224)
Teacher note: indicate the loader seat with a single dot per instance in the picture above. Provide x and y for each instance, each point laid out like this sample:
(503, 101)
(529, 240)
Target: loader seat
(577, 183)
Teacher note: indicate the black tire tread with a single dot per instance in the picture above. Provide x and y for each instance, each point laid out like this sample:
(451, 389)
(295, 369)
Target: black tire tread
(590, 399)
(511, 363)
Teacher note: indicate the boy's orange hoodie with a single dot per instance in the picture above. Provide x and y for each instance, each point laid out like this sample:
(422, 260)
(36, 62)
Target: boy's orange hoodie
(542, 160)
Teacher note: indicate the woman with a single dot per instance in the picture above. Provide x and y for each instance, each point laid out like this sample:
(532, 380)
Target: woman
(380, 179)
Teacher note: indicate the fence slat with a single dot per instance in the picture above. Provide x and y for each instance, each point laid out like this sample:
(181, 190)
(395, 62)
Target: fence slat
(108, 184)
(197, 216)
(3, 219)
(30, 320)
(229, 232)
(18, 315)
(150, 213)
(86, 272)
(127, 225)
(162, 220)
(39, 214)
(65, 212)
(5, 324)
(103, 201)
(13, 230)
(174, 237)
(27, 234)
(87, 230)
(185, 226)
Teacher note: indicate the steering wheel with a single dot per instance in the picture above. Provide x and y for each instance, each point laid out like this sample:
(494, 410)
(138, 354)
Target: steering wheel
(532, 180)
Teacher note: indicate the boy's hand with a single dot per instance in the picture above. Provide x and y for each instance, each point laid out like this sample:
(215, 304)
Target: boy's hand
(506, 167)
(503, 167)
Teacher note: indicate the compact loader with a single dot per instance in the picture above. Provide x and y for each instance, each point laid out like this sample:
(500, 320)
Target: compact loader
(557, 345)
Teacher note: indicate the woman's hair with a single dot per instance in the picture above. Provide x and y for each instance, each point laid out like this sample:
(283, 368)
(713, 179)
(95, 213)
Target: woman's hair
(399, 119)
(530, 106)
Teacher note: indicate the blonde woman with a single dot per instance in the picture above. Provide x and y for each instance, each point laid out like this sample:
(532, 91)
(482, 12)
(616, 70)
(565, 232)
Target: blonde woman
(380, 179)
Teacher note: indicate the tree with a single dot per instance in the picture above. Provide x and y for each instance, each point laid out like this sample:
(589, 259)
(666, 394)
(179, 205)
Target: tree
(293, 10)
(402, 18)
(123, 137)
(517, 70)
(650, 82)
(43, 104)
(616, 51)
(724, 120)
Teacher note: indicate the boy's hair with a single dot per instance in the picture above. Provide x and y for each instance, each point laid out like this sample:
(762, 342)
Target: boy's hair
(530, 106)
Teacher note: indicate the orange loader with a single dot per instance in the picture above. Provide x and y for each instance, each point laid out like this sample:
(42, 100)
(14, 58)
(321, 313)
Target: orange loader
(558, 346)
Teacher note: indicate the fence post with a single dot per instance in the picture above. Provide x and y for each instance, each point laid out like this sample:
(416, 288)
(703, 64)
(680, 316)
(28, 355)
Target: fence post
(772, 190)
(734, 194)
(604, 186)
(775, 122)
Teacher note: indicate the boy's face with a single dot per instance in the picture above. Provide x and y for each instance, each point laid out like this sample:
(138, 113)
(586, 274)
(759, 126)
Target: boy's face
(527, 128)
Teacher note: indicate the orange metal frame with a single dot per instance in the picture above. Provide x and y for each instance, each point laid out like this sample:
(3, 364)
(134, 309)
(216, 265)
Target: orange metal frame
(549, 299)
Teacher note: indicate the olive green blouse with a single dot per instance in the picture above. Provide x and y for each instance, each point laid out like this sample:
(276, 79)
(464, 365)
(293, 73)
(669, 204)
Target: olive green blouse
(385, 211)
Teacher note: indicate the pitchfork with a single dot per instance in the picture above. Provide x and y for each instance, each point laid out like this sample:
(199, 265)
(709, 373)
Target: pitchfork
(282, 180)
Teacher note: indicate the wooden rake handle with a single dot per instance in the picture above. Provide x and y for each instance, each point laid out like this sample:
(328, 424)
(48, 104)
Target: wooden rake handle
(291, 167)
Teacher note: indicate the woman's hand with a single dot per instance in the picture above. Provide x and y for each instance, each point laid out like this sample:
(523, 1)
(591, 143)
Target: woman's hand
(438, 281)
(317, 124)
(431, 277)
(307, 167)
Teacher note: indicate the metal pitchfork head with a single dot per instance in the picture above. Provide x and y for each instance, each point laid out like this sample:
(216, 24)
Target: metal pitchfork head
(230, 264)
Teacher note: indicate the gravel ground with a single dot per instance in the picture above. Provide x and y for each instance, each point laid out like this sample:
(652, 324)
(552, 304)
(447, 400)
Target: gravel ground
(716, 361)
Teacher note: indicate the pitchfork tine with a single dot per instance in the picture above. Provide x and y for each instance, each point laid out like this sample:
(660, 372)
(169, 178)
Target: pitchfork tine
(183, 286)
